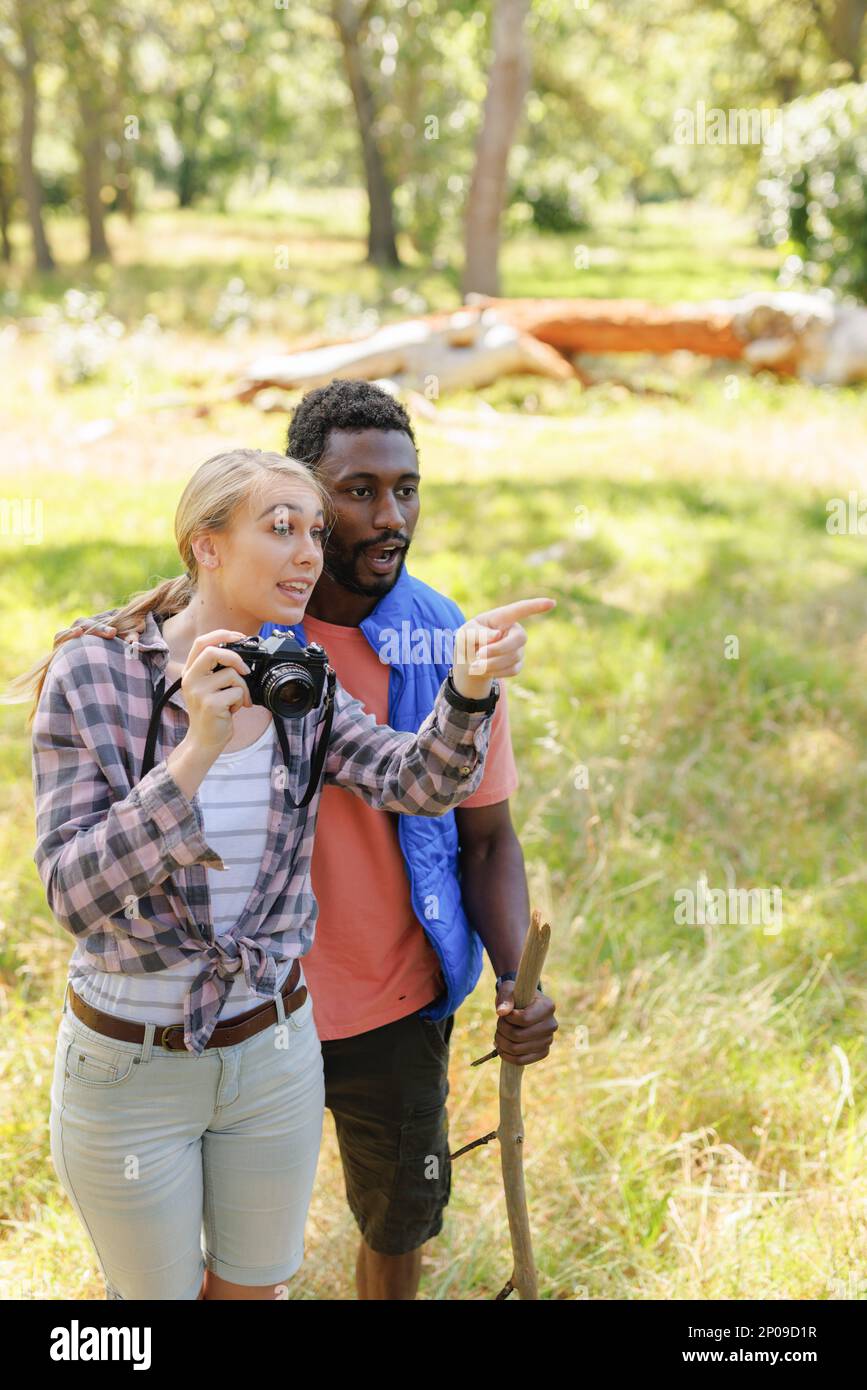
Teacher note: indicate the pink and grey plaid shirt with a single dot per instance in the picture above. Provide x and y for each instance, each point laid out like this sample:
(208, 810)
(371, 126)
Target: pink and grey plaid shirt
(124, 861)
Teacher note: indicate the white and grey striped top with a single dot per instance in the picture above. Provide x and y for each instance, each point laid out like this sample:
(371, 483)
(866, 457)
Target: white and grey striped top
(234, 798)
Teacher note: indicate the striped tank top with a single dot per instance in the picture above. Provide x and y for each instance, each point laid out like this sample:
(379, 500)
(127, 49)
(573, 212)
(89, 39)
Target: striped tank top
(234, 798)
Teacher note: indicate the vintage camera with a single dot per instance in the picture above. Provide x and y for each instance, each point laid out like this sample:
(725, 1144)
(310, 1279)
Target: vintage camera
(285, 677)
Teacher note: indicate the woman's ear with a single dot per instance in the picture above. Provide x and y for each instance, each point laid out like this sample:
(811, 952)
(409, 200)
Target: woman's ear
(203, 549)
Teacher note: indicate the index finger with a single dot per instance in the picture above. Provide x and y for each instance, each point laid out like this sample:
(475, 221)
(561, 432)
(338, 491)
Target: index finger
(515, 612)
(208, 640)
(213, 639)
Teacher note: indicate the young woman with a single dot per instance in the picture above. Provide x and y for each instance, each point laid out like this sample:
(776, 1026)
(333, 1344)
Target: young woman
(187, 1098)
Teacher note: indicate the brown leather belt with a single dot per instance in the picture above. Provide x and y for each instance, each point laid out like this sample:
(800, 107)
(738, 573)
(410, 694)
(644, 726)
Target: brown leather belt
(228, 1034)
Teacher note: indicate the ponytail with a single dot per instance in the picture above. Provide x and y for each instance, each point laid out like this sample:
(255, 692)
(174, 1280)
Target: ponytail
(166, 598)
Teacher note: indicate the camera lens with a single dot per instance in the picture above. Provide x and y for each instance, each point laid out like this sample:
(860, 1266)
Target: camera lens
(288, 690)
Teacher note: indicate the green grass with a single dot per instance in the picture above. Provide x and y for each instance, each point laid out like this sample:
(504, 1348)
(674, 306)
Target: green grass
(303, 264)
(698, 1131)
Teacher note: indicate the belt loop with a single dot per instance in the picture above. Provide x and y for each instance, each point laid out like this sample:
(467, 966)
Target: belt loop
(148, 1043)
(278, 1000)
(293, 1018)
(65, 995)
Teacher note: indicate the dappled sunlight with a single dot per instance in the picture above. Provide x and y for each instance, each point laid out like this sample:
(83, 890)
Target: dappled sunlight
(822, 756)
(691, 712)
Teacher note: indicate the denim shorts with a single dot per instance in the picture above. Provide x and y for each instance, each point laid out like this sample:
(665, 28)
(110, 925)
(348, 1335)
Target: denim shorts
(176, 1163)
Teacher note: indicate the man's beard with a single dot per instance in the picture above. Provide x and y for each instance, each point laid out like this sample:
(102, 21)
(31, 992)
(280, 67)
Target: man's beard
(341, 566)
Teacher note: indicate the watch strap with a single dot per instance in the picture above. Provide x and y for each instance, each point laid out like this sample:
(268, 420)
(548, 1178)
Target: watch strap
(463, 702)
(512, 975)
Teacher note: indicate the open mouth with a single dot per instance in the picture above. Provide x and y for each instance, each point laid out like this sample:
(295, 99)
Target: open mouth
(383, 558)
(295, 588)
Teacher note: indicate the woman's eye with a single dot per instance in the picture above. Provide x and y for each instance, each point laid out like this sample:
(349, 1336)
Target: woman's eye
(282, 528)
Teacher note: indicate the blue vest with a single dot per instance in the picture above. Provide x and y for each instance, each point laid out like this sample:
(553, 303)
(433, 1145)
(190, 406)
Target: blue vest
(413, 617)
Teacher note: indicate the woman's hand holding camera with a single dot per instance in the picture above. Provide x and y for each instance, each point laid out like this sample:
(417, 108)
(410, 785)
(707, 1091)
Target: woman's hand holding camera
(212, 695)
(492, 644)
(212, 698)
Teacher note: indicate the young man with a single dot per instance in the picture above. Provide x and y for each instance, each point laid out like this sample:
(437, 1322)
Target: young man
(405, 904)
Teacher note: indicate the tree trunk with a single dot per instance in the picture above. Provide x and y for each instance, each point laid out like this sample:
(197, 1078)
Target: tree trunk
(91, 177)
(123, 174)
(5, 212)
(30, 185)
(381, 240)
(791, 334)
(799, 335)
(443, 352)
(601, 326)
(188, 130)
(7, 189)
(125, 191)
(507, 88)
(844, 32)
(186, 180)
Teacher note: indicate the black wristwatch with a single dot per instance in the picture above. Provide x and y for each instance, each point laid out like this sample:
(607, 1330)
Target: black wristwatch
(469, 706)
(511, 975)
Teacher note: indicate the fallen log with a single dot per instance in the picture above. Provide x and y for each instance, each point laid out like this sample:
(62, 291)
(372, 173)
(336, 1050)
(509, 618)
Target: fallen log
(469, 349)
(801, 335)
(622, 325)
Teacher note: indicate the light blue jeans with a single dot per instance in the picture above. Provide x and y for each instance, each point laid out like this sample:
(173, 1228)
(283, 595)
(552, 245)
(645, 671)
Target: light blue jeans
(175, 1163)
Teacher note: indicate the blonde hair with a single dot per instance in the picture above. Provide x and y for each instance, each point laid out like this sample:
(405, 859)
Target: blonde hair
(209, 502)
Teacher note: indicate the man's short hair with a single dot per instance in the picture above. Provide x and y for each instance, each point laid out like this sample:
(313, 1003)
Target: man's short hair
(342, 405)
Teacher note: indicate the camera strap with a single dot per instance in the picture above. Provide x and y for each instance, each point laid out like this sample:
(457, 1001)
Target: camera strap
(317, 763)
(161, 695)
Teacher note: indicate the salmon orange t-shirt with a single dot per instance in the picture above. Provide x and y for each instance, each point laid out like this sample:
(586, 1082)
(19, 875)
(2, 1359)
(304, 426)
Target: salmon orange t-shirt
(370, 962)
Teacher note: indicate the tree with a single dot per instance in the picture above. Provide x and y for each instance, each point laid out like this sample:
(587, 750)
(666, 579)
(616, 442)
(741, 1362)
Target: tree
(121, 96)
(91, 40)
(202, 45)
(19, 36)
(507, 88)
(351, 20)
(842, 24)
(90, 146)
(7, 175)
(216, 83)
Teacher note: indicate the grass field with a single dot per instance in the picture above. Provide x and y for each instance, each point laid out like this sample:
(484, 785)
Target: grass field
(699, 1128)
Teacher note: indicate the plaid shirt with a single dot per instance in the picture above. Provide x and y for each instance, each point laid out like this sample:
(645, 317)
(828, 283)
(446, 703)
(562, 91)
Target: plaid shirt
(124, 860)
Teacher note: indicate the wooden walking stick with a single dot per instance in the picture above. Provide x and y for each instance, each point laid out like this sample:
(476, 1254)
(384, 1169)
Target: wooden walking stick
(511, 1131)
